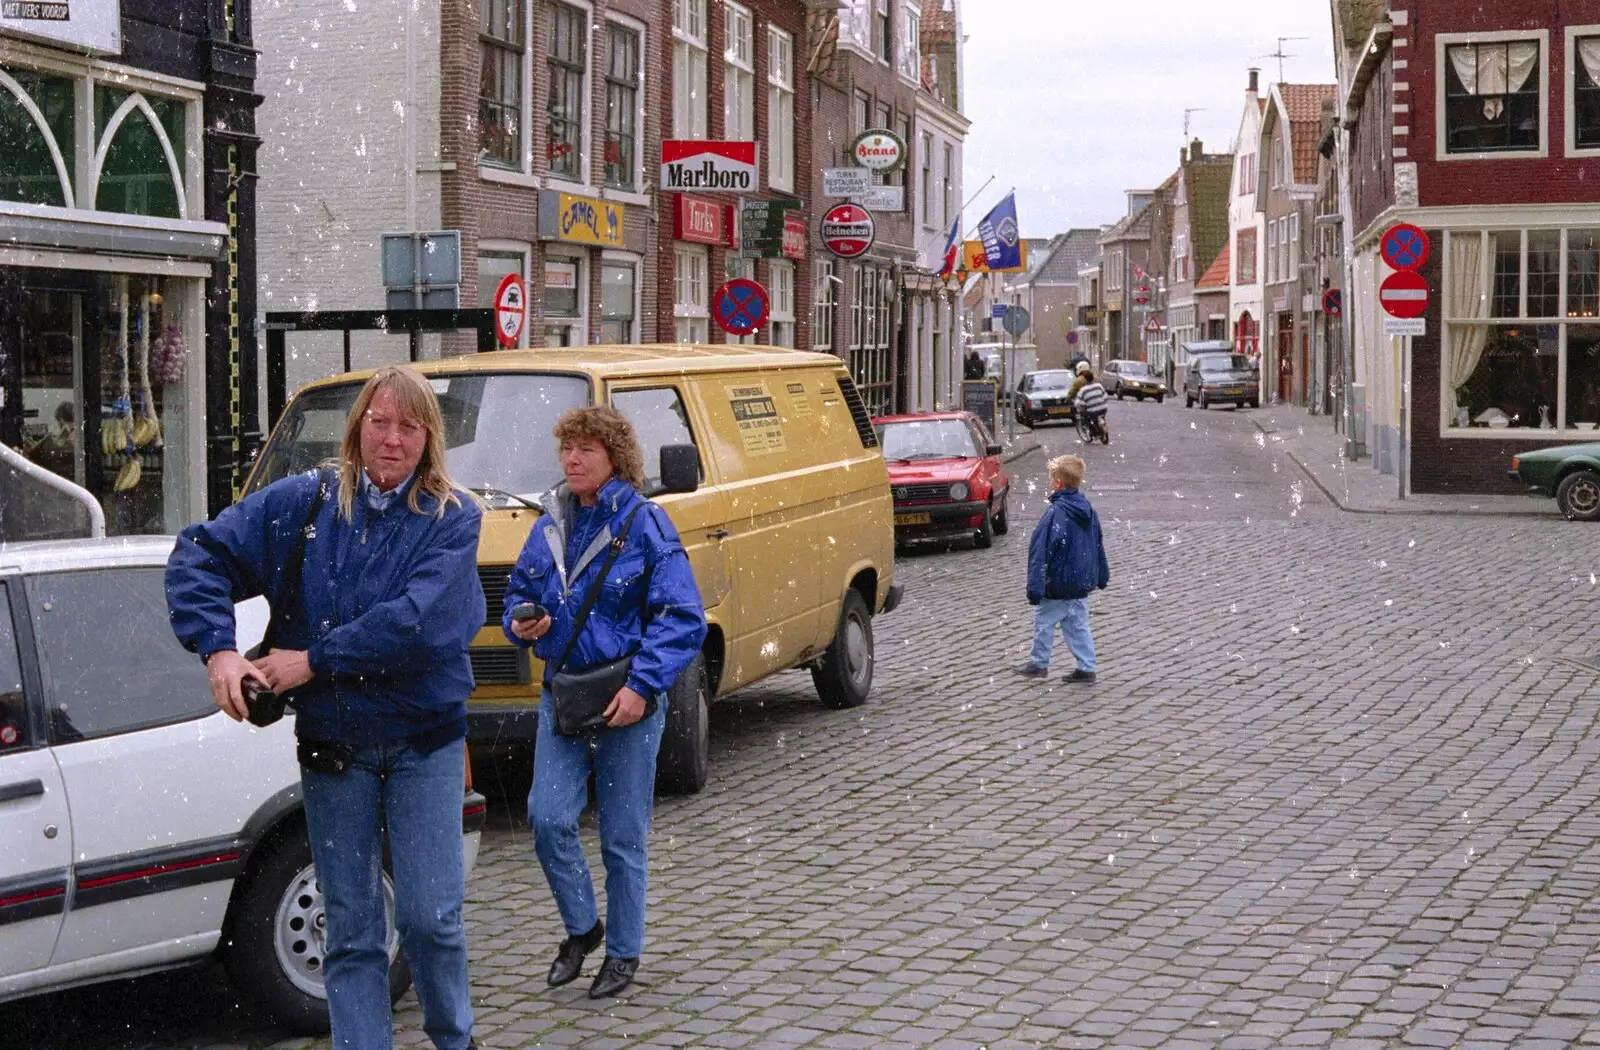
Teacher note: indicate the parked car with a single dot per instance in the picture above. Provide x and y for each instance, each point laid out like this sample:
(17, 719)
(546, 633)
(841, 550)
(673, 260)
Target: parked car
(144, 829)
(1221, 378)
(1570, 473)
(1042, 397)
(1122, 378)
(946, 476)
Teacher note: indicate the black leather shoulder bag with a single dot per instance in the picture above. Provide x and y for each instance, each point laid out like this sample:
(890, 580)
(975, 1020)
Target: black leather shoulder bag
(580, 698)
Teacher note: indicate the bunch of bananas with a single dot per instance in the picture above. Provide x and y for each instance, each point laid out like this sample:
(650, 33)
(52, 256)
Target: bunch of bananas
(113, 435)
(129, 475)
(145, 431)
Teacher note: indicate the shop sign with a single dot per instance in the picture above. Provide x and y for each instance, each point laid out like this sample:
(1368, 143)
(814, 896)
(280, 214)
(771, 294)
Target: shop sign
(580, 220)
(879, 150)
(848, 231)
(82, 25)
(883, 198)
(846, 182)
(976, 260)
(700, 221)
(695, 164)
(794, 237)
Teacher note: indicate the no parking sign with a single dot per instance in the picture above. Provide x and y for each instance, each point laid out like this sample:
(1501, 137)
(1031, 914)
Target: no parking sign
(740, 307)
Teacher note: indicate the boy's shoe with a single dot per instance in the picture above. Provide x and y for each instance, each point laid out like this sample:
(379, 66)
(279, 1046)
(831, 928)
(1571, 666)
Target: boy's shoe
(1080, 675)
(1031, 670)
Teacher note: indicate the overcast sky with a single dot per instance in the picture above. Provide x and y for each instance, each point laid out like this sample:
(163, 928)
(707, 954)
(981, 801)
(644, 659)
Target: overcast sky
(1075, 101)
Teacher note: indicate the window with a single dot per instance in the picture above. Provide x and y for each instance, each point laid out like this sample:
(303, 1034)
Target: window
(569, 35)
(910, 42)
(925, 187)
(1245, 254)
(28, 171)
(659, 418)
(564, 289)
(902, 177)
(111, 661)
(1272, 251)
(1584, 121)
(1114, 271)
(782, 315)
(780, 109)
(824, 303)
(502, 37)
(1247, 174)
(1180, 257)
(880, 30)
(738, 74)
(690, 305)
(689, 69)
(135, 178)
(622, 107)
(870, 361)
(1522, 334)
(1293, 255)
(1492, 97)
(493, 267)
(862, 112)
(1280, 169)
(14, 735)
(947, 219)
(618, 302)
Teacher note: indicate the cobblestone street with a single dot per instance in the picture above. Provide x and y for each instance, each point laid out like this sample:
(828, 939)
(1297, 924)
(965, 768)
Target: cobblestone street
(1338, 785)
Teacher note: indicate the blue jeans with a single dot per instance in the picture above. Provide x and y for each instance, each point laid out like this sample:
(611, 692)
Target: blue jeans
(1072, 615)
(416, 798)
(623, 762)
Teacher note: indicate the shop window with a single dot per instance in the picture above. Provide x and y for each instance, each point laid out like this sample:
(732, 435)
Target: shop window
(1507, 299)
(622, 107)
(618, 299)
(690, 300)
(1492, 97)
(1583, 376)
(824, 303)
(500, 124)
(563, 302)
(36, 152)
(1583, 273)
(782, 319)
(689, 49)
(568, 63)
(141, 173)
(1544, 273)
(1586, 92)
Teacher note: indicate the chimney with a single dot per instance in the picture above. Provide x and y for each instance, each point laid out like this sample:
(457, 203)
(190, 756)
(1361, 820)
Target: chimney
(1255, 81)
(1183, 155)
(1197, 151)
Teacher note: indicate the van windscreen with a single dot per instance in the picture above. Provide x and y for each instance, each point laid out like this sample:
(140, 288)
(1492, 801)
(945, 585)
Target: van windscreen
(497, 431)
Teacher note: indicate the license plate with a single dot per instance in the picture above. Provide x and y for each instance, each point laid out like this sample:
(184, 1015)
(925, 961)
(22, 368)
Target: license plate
(1234, 391)
(912, 519)
(1058, 411)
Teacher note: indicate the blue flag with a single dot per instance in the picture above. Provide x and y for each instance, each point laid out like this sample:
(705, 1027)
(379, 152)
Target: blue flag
(1002, 242)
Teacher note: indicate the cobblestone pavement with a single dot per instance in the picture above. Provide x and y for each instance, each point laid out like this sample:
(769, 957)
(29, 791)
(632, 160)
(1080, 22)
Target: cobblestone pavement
(1337, 786)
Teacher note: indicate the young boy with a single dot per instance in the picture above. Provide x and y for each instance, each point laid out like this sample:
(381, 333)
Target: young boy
(1066, 561)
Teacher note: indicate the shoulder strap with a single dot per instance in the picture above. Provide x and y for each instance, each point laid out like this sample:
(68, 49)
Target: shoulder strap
(294, 569)
(593, 594)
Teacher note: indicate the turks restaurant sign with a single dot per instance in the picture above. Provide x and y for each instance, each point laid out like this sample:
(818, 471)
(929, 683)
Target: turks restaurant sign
(695, 164)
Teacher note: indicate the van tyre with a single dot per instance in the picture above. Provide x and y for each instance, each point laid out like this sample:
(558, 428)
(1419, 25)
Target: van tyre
(1188, 402)
(681, 765)
(843, 676)
(983, 539)
(275, 950)
(1578, 496)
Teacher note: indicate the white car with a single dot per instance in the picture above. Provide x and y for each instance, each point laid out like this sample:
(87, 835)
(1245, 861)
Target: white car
(143, 829)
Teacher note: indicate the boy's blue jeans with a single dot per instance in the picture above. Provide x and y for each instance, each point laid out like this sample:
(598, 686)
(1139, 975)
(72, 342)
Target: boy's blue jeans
(1072, 616)
(416, 797)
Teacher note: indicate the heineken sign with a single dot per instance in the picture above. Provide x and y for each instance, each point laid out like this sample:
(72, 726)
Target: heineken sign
(695, 164)
(879, 150)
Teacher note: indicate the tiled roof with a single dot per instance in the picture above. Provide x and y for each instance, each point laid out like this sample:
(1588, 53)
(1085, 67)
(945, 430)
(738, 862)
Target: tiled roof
(1216, 275)
(1210, 186)
(1303, 103)
(1073, 251)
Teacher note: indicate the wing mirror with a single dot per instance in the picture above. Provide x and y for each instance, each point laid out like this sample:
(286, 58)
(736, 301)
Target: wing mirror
(992, 450)
(680, 468)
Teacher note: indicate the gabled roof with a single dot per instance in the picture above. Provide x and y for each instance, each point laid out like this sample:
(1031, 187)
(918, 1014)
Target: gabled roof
(1210, 192)
(1301, 105)
(1216, 275)
(1070, 253)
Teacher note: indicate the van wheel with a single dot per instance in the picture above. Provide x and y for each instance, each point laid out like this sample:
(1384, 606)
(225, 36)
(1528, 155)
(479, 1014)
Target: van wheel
(276, 952)
(681, 765)
(983, 539)
(843, 676)
(1188, 402)
(1002, 523)
(1160, 398)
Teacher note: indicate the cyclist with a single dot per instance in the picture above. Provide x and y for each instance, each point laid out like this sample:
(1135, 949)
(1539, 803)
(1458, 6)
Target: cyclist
(1091, 402)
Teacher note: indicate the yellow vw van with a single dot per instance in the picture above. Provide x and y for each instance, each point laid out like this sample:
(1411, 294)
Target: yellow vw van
(790, 527)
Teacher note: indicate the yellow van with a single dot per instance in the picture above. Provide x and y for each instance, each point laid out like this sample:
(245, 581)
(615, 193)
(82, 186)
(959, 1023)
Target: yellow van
(789, 527)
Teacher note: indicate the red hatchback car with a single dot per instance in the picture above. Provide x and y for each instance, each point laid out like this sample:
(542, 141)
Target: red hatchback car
(946, 476)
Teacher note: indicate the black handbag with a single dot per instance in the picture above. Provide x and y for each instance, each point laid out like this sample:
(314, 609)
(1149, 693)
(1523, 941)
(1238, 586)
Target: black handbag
(580, 698)
(266, 707)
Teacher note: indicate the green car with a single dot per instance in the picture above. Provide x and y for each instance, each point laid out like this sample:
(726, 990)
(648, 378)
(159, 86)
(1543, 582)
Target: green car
(1570, 473)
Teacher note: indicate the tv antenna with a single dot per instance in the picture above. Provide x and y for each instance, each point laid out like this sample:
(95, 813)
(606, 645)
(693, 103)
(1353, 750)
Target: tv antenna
(1279, 54)
(1186, 114)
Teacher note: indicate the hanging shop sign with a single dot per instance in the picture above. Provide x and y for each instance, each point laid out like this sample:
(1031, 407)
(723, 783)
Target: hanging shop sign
(580, 220)
(883, 198)
(975, 259)
(879, 150)
(94, 26)
(701, 221)
(794, 237)
(845, 182)
(694, 164)
(848, 230)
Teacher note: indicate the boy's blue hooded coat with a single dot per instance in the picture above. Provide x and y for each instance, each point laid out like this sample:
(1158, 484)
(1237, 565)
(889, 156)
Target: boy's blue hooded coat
(1066, 558)
(390, 601)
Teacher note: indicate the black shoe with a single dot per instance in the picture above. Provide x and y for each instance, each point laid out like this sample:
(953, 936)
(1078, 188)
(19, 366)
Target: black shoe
(1030, 670)
(615, 975)
(1080, 675)
(569, 959)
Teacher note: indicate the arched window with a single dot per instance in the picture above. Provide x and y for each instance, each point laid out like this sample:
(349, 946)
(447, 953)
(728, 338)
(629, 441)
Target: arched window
(36, 124)
(137, 168)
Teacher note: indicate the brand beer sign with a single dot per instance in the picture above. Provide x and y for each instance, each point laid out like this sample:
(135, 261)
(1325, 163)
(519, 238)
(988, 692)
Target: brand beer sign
(879, 150)
(694, 164)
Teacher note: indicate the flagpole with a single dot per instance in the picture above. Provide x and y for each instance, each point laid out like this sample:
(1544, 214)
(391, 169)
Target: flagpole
(959, 214)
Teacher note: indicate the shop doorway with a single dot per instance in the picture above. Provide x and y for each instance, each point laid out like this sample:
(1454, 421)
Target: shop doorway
(1286, 363)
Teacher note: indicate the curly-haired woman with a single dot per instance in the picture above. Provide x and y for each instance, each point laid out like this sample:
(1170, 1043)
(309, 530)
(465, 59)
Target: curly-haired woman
(649, 607)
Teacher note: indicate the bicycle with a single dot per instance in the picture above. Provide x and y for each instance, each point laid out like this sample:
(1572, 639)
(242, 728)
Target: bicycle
(1091, 427)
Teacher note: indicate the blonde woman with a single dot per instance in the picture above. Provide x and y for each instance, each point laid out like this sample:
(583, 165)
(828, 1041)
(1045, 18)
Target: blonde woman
(371, 651)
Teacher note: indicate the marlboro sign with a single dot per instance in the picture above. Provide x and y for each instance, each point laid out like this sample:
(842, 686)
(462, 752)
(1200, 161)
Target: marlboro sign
(695, 164)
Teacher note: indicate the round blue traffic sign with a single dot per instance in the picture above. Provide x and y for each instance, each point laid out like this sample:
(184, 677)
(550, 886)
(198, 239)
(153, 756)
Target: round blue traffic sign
(740, 307)
(1406, 247)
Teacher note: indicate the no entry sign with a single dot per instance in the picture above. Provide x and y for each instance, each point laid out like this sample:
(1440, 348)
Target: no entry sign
(1406, 247)
(1404, 294)
(510, 310)
(740, 306)
(848, 230)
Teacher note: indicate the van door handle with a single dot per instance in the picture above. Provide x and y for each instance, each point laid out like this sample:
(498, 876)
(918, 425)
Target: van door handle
(21, 789)
(718, 534)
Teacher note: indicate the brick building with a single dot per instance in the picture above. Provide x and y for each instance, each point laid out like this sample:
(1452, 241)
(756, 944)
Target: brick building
(1199, 237)
(1481, 124)
(1124, 254)
(1053, 289)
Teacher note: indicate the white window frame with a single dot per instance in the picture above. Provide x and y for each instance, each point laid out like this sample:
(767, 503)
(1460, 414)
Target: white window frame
(783, 296)
(525, 161)
(908, 61)
(691, 304)
(637, 262)
(738, 73)
(635, 26)
(690, 68)
(925, 166)
(1574, 33)
(580, 323)
(585, 177)
(780, 110)
(1442, 44)
(825, 304)
(525, 250)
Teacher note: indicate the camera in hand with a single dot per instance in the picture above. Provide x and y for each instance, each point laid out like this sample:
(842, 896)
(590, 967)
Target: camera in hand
(526, 611)
(263, 706)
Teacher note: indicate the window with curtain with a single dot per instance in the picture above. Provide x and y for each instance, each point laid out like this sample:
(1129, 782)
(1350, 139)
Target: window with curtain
(738, 73)
(569, 51)
(780, 109)
(502, 38)
(1492, 97)
(1586, 92)
(622, 107)
(689, 49)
